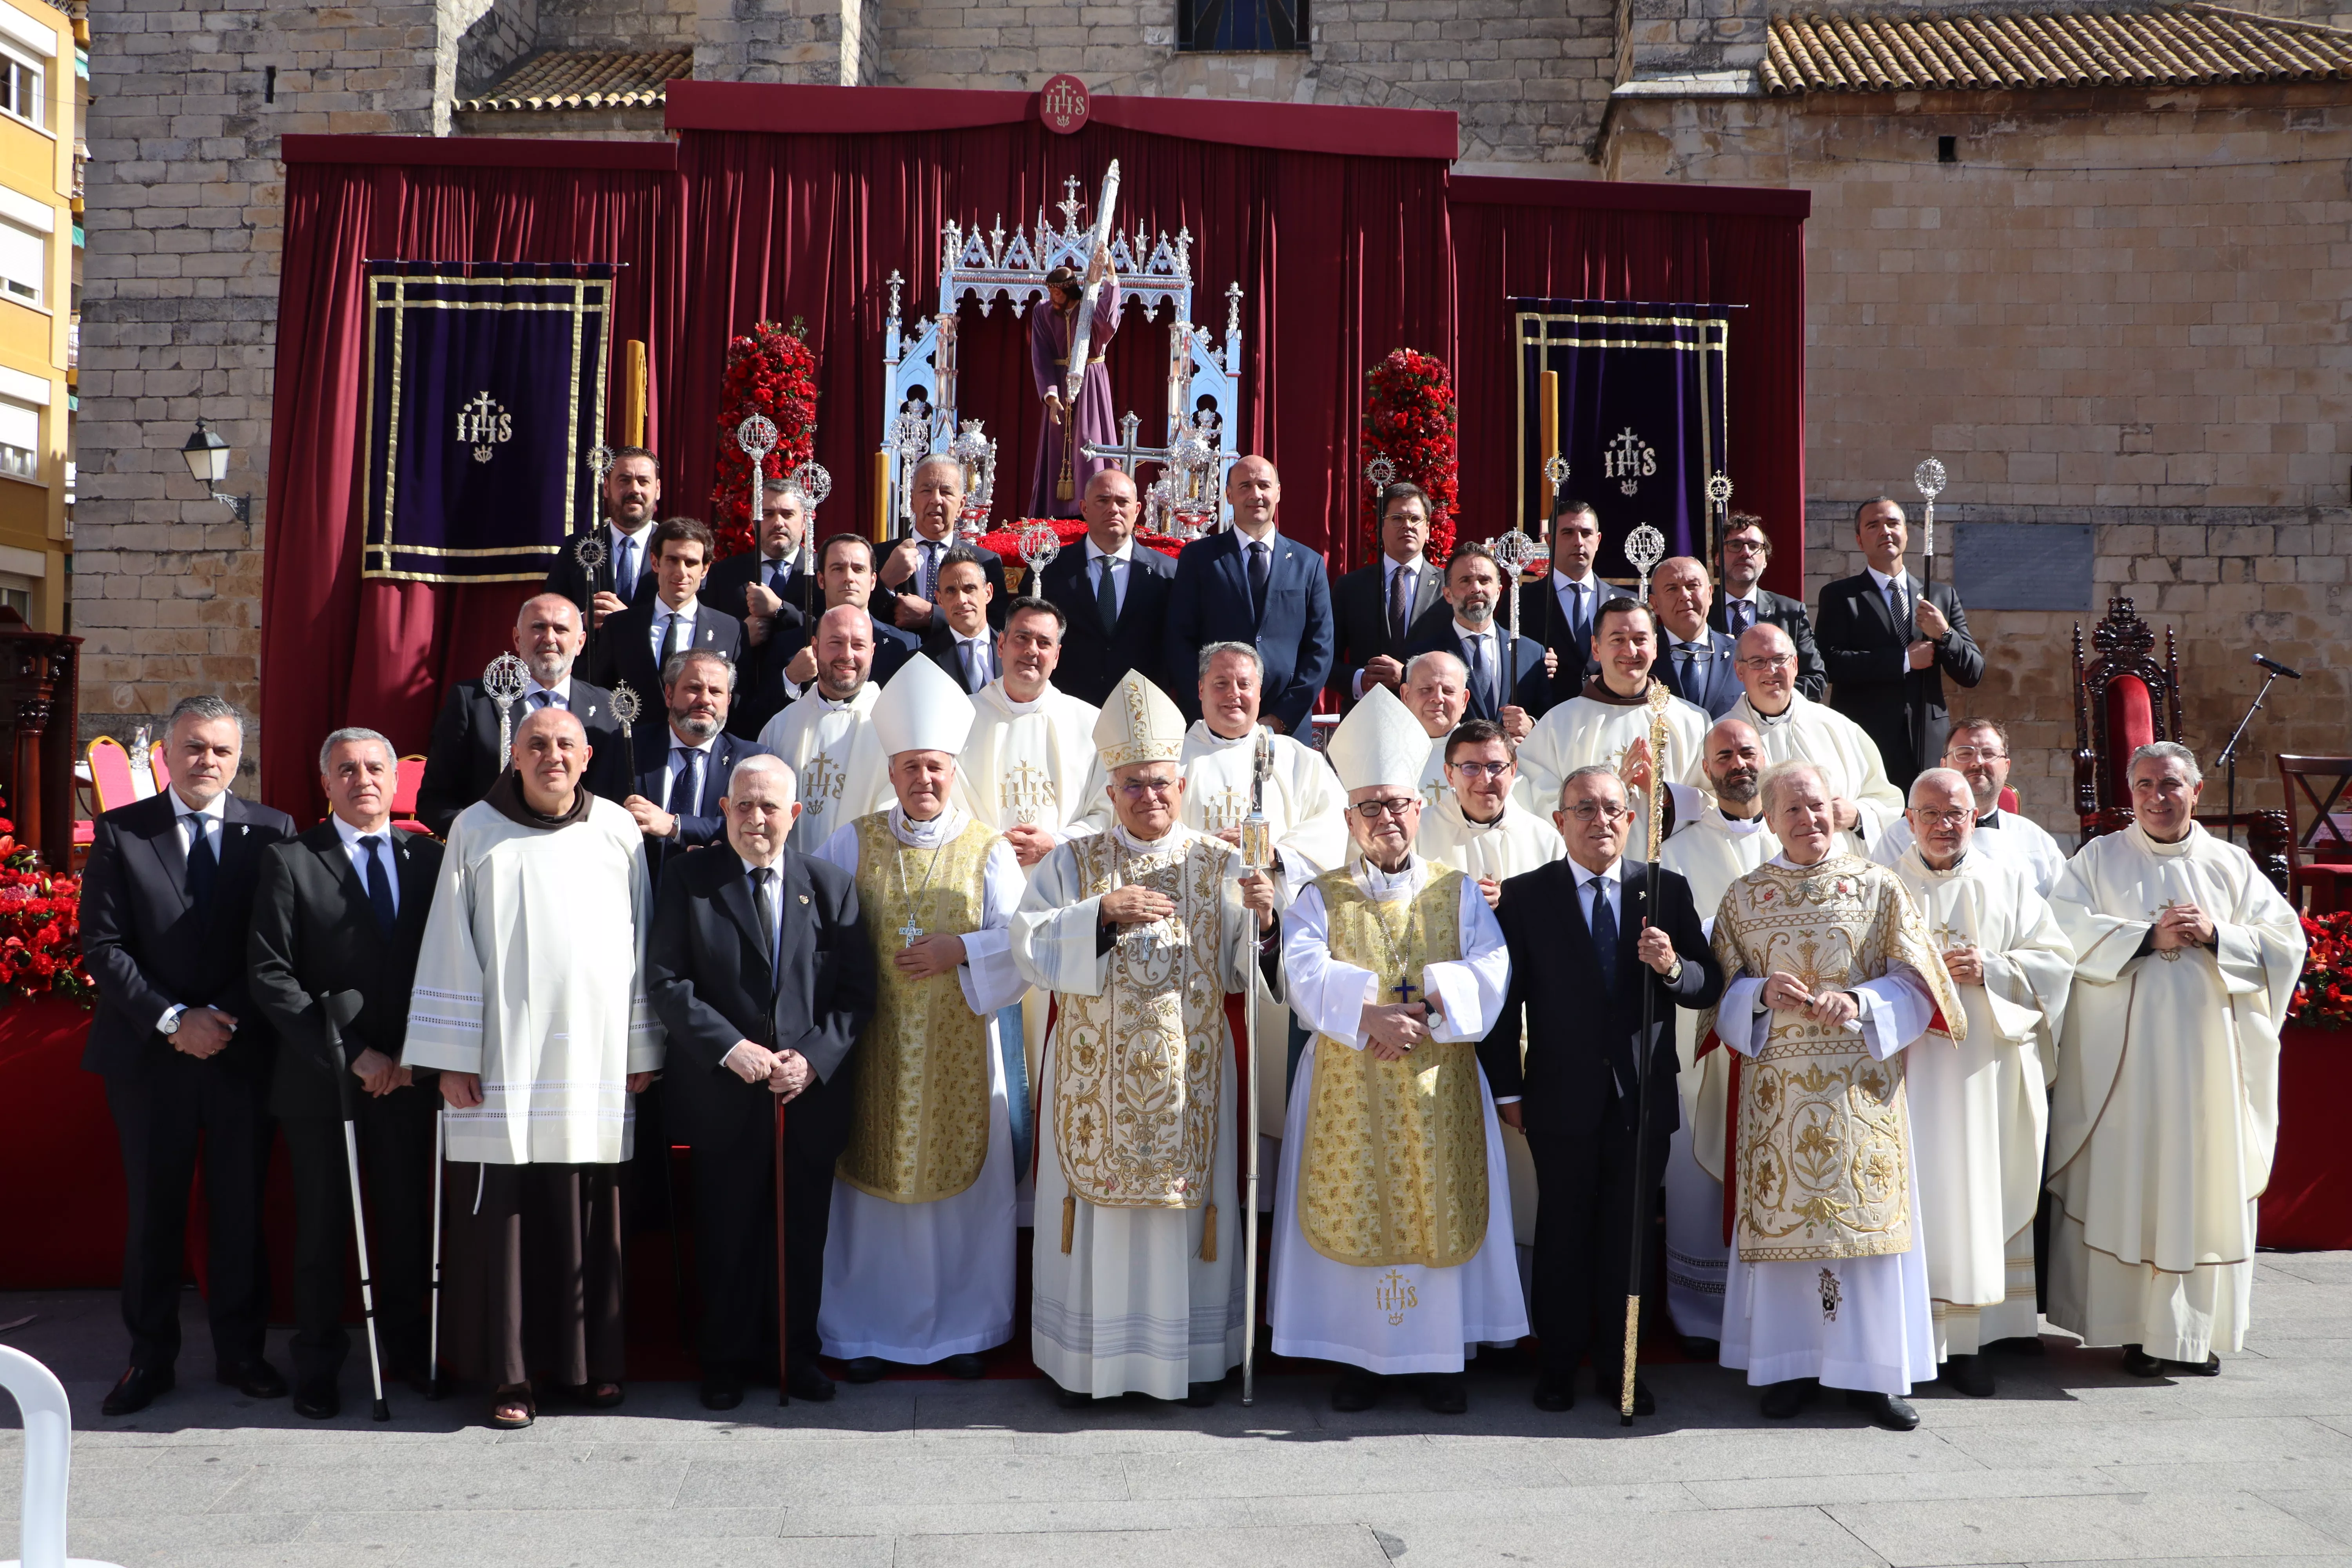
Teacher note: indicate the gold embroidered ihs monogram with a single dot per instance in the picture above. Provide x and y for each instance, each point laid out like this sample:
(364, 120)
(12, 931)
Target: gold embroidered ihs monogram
(821, 784)
(1027, 794)
(918, 1117)
(1823, 1163)
(1395, 1295)
(1395, 1165)
(1137, 1067)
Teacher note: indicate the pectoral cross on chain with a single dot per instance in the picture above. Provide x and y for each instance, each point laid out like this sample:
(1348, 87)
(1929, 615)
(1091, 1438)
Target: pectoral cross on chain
(909, 931)
(1404, 990)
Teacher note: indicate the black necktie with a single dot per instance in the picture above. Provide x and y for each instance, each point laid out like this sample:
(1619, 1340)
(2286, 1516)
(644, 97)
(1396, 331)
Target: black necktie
(681, 783)
(379, 884)
(202, 865)
(930, 571)
(1905, 620)
(762, 880)
(1397, 609)
(1261, 569)
(1106, 596)
(1735, 616)
(1604, 931)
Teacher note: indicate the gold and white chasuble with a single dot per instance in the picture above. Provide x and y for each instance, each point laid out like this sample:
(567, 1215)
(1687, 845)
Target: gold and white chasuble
(2163, 1114)
(838, 765)
(1393, 1242)
(1136, 1275)
(920, 1250)
(1979, 1111)
(1827, 1278)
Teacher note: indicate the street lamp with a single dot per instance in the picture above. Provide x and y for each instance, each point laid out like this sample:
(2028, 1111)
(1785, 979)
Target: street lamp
(207, 456)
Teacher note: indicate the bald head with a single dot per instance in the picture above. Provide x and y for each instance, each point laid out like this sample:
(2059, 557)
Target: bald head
(548, 637)
(1109, 509)
(1732, 756)
(845, 650)
(550, 753)
(1767, 667)
(1943, 813)
(759, 807)
(1436, 690)
(1255, 492)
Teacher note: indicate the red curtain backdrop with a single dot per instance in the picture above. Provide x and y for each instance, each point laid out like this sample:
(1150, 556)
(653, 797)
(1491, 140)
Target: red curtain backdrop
(336, 650)
(1590, 239)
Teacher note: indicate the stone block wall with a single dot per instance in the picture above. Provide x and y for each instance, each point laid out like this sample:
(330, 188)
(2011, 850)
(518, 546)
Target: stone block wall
(815, 42)
(616, 24)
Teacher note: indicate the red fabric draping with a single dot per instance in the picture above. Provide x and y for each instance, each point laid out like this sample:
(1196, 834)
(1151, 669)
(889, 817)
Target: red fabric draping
(1584, 240)
(334, 649)
(57, 1153)
(2308, 1203)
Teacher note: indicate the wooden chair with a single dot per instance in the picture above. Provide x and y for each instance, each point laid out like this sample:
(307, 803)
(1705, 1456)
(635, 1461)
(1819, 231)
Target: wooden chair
(2123, 700)
(2318, 847)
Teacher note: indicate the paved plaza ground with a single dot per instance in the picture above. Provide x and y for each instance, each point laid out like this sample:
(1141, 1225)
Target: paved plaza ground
(2072, 1462)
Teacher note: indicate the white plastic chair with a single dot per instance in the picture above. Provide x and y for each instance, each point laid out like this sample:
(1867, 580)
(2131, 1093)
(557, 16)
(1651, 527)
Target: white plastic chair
(49, 1446)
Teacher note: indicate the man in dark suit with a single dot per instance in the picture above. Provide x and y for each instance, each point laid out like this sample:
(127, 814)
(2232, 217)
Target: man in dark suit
(342, 909)
(1251, 585)
(632, 646)
(166, 900)
(908, 595)
(1888, 642)
(760, 969)
(1375, 608)
(787, 663)
(1587, 936)
(681, 781)
(1698, 664)
(964, 645)
(632, 493)
(464, 758)
(1745, 602)
(1560, 611)
(1510, 681)
(770, 586)
(1113, 590)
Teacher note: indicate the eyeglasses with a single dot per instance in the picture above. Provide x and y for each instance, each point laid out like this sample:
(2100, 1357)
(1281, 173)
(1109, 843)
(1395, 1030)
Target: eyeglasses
(1373, 810)
(1137, 789)
(1974, 753)
(1770, 661)
(1481, 770)
(1586, 811)
(1942, 818)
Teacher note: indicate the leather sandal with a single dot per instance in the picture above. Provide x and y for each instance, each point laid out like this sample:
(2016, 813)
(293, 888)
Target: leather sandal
(507, 1400)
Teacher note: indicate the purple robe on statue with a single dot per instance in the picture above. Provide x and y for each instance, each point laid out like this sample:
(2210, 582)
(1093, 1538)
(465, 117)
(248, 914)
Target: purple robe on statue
(1049, 355)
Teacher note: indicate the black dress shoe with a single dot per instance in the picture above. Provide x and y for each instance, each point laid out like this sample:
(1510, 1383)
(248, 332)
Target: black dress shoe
(1611, 1387)
(723, 1392)
(1783, 1400)
(135, 1388)
(320, 1404)
(2209, 1367)
(808, 1381)
(256, 1379)
(864, 1369)
(1445, 1392)
(1884, 1409)
(1201, 1396)
(2018, 1344)
(2139, 1364)
(1356, 1390)
(965, 1366)
(1071, 1398)
(1699, 1348)
(1556, 1391)
(1968, 1375)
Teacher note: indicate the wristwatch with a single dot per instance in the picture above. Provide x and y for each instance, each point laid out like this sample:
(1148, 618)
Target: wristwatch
(171, 1024)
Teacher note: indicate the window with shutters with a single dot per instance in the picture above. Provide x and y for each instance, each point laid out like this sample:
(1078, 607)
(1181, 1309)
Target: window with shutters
(23, 260)
(20, 440)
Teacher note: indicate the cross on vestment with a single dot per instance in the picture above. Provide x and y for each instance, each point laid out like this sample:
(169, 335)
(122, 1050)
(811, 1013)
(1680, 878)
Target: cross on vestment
(909, 931)
(1404, 990)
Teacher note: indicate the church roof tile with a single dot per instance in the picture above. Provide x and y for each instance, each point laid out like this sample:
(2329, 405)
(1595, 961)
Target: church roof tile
(585, 78)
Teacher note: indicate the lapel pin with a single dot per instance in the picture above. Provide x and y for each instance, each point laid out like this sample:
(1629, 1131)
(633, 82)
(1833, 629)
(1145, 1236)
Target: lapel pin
(805, 898)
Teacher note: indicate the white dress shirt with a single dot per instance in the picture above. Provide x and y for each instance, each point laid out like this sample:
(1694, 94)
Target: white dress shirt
(536, 697)
(1568, 590)
(698, 770)
(664, 616)
(359, 853)
(1482, 651)
(1122, 562)
(975, 652)
(190, 820)
(617, 538)
(1911, 593)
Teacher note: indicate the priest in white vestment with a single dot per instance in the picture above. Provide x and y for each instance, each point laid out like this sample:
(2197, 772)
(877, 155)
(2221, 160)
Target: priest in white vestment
(1608, 722)
(1796, 729)
(1140, 933)
(1392, 1239)
(1710, 849)
(2163, 1114)
(827, 733)
(919, 1258)
(531, 1000)
(1829, 978)
(1436, 691)
(1978, 749)
(1979, 1112)
(1030, 772)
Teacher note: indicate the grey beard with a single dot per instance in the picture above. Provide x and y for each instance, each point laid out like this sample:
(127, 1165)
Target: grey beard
(698, 726)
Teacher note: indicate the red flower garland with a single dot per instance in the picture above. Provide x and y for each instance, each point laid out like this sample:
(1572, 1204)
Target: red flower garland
(40, 927)
(770, 371)
(2323, 997)
(1410, 419)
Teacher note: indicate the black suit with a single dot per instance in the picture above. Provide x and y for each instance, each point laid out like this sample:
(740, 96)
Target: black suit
(314, 932)
(1212, 601)
(463, 760)
(1578, 1083)
(1901, 709)
(625, 647)
(941, 648)
(1526, 683)
(1359, 620)
(564, 575)
(1789, 615)
(1708, 678)
(149, 946)
(700, 818)
(886, 598)
(802, 595)
(1542, 617)
(709, 982)
(1095, 659)
(758, 695)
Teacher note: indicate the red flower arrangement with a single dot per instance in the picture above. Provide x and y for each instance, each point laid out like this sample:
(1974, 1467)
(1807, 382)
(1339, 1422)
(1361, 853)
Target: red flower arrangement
(2323, 997)
(40, 927)
(770, 371)
(1006, 541)
(1410, 419)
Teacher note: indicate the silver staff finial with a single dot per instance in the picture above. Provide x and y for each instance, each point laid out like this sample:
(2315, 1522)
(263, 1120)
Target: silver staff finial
(504, 680)
(1644, 547)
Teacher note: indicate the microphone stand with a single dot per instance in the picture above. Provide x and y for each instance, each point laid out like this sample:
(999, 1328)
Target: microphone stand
(2230, 752)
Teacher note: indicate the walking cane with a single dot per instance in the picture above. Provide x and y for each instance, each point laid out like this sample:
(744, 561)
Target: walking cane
(783, 1334)
(337, 1010)
(432, 1343)
(1658, 700)
(1257, 854)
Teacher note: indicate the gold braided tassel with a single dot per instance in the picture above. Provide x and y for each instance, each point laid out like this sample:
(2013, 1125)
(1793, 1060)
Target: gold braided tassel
(1209, 1233)
(1069, 1220)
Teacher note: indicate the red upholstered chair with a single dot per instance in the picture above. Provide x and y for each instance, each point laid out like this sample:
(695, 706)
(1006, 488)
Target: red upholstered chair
(2318, 845)
(110, 774)
(2123, 699)
(404, 797)
(2008, 801)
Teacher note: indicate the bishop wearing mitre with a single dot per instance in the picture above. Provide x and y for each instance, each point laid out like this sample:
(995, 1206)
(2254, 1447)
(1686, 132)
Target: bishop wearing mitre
(1979, 1111)
(827, 734)
(1796, 729)
(2163, 1114)
(1392, 1237)
(1140, 933)
(1608, 722)
(918, 1257)
(1830, 977)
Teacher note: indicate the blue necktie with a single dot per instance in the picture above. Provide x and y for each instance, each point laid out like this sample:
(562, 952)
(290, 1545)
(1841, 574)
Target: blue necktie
(203, 864)
(624, 569)
(1604, 931)
(1736, 617)
(379, 884)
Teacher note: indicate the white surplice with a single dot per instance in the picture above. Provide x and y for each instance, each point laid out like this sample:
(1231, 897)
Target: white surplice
(1434, 786)
(2003, 833)
(2163, 1114)
(1815, 732)
(1979, 1108)
(1334, 1311)
(1132, 1306)
(1583, 730)
(531, 973)
(1710, 851)
(1775, 1326)
(918, 1282)
(836, 759)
